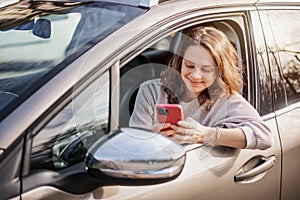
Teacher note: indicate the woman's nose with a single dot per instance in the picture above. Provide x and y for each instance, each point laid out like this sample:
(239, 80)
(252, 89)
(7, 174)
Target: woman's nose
(195, 73)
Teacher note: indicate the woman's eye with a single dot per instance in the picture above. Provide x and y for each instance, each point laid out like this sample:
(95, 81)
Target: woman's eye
(206, 70)
(189, 66)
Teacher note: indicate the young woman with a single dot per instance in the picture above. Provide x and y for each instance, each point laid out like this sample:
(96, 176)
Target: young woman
(205, 80)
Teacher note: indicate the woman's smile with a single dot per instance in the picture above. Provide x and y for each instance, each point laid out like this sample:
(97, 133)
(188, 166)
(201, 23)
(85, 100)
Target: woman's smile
(196, 83)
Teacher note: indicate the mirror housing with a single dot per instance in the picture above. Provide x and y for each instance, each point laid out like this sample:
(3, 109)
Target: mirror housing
(130, 156)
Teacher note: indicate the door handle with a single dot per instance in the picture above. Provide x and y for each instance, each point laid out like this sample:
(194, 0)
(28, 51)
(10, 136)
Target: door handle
(262, 165)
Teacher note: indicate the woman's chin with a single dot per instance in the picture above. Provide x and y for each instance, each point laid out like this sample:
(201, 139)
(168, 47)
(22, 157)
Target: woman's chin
(191, 95)
(197, 91)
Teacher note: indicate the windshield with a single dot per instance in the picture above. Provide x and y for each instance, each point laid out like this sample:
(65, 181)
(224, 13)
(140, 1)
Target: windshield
(38, 39)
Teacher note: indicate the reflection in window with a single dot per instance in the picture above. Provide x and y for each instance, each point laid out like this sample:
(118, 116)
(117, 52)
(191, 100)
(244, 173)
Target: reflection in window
(39, 39)
(286, 28)
(265, 101)
(65, 140)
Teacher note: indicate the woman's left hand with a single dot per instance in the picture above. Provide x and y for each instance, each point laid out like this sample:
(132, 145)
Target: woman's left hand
(189, 131)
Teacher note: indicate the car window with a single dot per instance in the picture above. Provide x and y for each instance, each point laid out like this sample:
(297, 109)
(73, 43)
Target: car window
(285, 26)
(265, 101)
(65, 140)
(149, 64)
(38, 39)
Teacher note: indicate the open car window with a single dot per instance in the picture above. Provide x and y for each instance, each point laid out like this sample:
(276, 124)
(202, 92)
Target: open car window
(149, 64)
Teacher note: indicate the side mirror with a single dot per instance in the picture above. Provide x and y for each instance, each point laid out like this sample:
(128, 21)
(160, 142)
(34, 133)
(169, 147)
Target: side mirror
(42, 28)
(130, 156)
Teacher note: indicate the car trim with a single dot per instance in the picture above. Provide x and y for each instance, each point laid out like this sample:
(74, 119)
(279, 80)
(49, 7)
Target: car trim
(114, 95)
(277, 2)
(287, 109)
(268, 116)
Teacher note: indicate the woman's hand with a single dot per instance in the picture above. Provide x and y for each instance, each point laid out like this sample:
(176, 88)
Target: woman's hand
(165, 129)
(189, 131)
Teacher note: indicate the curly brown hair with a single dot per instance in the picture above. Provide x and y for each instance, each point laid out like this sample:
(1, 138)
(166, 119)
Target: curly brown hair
(229, 76)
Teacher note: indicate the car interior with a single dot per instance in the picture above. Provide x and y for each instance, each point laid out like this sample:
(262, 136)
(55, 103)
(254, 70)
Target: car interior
(148, 65)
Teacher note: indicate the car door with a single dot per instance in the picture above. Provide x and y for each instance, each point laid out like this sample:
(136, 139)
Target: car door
(282, 33)
(218, 172)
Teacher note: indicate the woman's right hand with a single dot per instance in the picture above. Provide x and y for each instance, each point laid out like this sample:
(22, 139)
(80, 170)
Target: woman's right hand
(165, 129)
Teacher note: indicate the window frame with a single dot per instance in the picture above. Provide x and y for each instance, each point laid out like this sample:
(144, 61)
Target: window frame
(238, 22)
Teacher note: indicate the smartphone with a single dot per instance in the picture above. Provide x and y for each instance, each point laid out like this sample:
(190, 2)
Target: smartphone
(169, 113)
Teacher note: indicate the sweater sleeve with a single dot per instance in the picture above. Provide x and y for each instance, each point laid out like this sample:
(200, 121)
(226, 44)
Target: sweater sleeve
(236, 112)
(143, 113)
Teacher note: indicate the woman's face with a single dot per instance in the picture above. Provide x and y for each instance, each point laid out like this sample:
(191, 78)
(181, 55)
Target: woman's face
(198, 69)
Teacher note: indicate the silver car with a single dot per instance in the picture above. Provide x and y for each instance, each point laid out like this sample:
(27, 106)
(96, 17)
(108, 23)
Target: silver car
(69, 74)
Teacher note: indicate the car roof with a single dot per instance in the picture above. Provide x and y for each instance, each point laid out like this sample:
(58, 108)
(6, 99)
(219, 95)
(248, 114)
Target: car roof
(151, 3)
(142, 3)
(210, 3)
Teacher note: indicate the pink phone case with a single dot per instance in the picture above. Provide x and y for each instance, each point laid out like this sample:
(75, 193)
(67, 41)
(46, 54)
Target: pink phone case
(169, 113)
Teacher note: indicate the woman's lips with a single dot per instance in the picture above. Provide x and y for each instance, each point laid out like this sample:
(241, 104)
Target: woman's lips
(196, 83)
